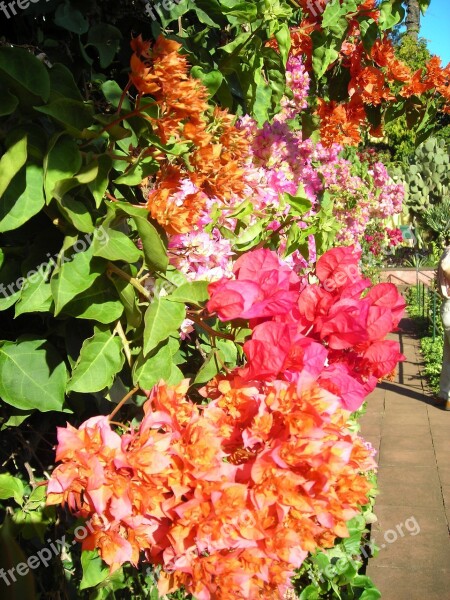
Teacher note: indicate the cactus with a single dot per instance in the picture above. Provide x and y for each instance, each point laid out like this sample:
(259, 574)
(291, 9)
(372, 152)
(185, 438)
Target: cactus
(427, 177)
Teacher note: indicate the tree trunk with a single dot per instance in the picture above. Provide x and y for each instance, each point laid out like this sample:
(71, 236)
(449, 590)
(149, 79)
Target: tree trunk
(412, 18)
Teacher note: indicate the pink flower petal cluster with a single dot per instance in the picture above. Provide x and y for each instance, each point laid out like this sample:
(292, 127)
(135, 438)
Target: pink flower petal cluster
(333, 329)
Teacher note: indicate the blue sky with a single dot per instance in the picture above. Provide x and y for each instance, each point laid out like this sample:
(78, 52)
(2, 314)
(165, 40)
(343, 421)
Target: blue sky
(435, 27)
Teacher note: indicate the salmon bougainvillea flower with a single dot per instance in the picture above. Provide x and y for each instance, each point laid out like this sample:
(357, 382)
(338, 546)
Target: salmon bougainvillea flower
(228, 498)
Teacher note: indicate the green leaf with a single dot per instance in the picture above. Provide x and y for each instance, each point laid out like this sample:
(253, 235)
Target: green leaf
(25, 73)
(23, 199)
(11, 487)
(127, 295)
(87, 174)
(8, 102)
(32, 375)
(73, 115)
(11, 163)
(424, 4)
(299, 204)
(68, 17)
(63, 84)
(99, 303)
(113, 93)
(212, 79)
(138, 171)
(101, 358)
(283, 37)
(75, 275)
(62, 162)
(162, 319)
(311, 592)
(391, 13)
(106, 39)
(10, 283)
(212, 365)
(370, 594)
(115, 245)
(193, 292)
(155, 252)
(94, 569)
(149, 370)
(99, 185)
(35, 295)
(77, 213)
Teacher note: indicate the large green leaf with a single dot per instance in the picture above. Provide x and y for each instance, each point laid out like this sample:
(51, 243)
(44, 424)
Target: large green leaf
(99, 185)
(115, 245)
(101, 358)
(23, 199)
(162, 319)
(99, 303)
(149, 370)
(94, 569)
(11, 487)
(70, 18)
(155, 252)
(63, 84)
(62, 162)
(127, 295)
(76, 212)
(75, 116)
(75, 275)
(24, 73)
(35, 295)
(32, 375)
(10, 282)
(192, 292)
(11, 163)
(106, 39)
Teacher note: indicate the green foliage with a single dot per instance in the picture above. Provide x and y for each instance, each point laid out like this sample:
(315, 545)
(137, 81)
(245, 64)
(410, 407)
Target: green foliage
(427, 182)
(425, 309)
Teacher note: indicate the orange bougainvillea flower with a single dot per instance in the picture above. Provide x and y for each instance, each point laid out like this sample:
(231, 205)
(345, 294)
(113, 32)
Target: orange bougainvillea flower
(223, 529)
(219, 151)
(340, 123)
(383, 54)
(176, 202)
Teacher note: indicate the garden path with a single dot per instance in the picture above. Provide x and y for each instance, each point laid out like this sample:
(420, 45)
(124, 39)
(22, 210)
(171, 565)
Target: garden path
(412, 436)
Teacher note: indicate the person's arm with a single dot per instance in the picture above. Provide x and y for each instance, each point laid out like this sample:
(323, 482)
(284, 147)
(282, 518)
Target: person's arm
(444, 274)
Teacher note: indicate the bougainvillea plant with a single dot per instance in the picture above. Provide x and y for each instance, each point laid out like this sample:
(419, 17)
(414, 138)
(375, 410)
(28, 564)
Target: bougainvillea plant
(167, 240)
(229, 497)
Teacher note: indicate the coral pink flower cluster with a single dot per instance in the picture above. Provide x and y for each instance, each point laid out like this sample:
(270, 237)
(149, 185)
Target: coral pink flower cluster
(332, 330)
(230, 497)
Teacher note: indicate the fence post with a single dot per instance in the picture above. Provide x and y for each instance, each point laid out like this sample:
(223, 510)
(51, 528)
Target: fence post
(423, 305)
(434, 316)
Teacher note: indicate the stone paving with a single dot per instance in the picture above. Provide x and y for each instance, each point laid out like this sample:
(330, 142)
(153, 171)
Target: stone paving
(412, 436)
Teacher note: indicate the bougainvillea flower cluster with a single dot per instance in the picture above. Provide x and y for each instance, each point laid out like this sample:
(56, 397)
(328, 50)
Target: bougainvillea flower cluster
(334, 327)
(230, 497)
(179, 195)
(376, 76)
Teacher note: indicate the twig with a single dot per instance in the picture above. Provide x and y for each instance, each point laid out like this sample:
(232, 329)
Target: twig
(122, 402)
(30, 474)
(125, 342)
(206, 327)
(134, 282)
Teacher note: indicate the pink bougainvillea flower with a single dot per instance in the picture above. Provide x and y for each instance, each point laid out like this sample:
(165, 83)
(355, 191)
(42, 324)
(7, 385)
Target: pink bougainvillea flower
(263, 287)
(338, 268)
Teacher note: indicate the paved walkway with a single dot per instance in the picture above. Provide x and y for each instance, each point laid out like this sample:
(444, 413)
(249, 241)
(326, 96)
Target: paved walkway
(413, 508)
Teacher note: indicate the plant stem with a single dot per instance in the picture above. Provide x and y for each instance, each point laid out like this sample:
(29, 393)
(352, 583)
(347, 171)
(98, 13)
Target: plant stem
(134, 282)
(125, 342)
(193, 317)
(122, 402)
